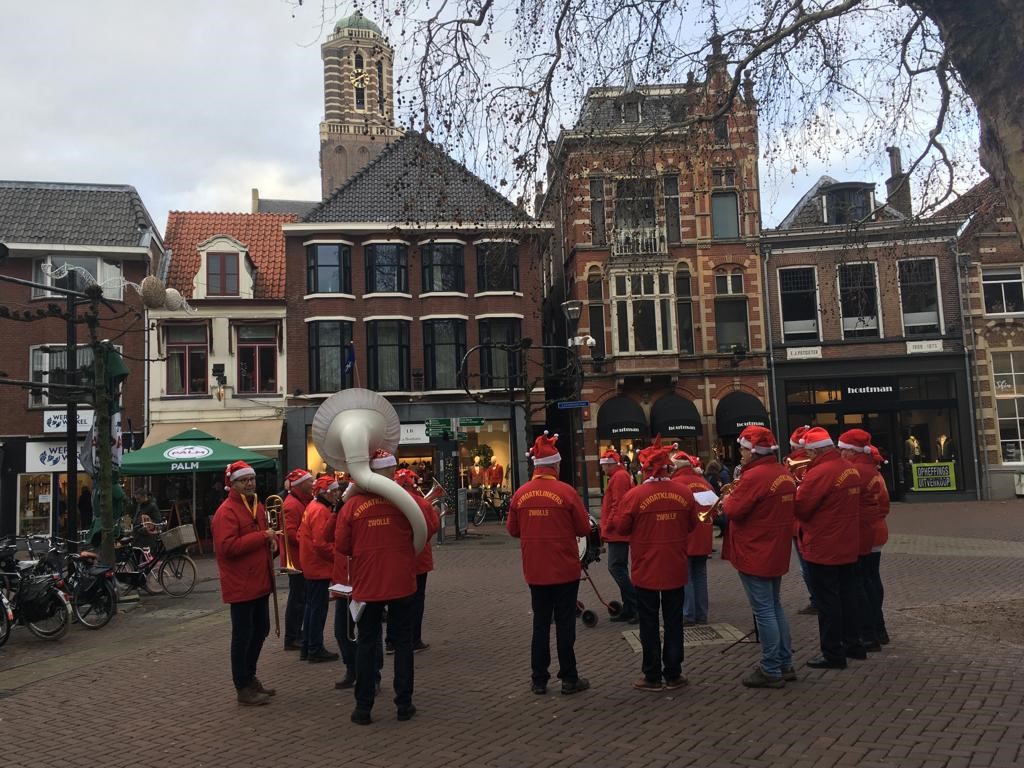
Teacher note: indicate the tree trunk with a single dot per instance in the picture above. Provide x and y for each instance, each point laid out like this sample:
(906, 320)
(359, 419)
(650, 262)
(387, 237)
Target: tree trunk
(985, 43)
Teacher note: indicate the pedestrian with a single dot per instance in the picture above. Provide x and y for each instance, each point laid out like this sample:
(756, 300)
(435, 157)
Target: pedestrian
(619, 481)
(298, 494)
(244, 546)
(316, 540)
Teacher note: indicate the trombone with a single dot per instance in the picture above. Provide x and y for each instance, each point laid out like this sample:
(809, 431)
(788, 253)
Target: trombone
(275, 519)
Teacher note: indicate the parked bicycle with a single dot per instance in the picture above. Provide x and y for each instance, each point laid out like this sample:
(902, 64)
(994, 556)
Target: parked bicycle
(162, 567)
(37, 601)
(89, 583)
(492, 501)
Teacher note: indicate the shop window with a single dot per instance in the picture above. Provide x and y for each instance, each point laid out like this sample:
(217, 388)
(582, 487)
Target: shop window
(387, 267)
(672, 228)
(643, 313)
(595, 311)
(328, 268)
(222, 274)
(257, 359)
(497, 267)
(725, 221)
(919, 297)
(499, 368)
(798, 295)
(187, 360)
(48, 364)
(731, 325)
(1003, 289)
(598, 233)
(443, 269)
(387, 349)
(444, 346)
(331, 357)
(684, 309)
(82, 272)
(858, 299)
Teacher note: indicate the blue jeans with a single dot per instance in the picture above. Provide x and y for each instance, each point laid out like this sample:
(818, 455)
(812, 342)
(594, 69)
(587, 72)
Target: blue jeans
(618, 567)
(316, 615)
(772, 624)
(695, 604)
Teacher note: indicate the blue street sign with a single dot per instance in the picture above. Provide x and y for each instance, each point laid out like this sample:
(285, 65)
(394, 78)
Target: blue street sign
(565, 406)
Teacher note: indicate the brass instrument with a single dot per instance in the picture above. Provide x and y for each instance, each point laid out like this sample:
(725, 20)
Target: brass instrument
(270, 544)
(797, 468)
(275, 520)
(716, 508)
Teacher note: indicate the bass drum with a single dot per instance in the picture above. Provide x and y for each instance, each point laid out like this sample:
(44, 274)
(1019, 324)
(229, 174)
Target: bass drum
(590, 545)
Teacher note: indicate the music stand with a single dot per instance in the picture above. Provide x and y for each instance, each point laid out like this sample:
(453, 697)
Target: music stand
(744, 639)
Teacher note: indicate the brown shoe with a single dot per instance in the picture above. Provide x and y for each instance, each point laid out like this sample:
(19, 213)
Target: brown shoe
(758, 679)
(676, 683)
(789, 675)
(250, 697)
(261, 689)
(643, 684)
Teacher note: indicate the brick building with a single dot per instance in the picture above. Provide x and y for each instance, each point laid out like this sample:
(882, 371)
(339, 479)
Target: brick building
(656, 233)
(104, 230)
(866, 330)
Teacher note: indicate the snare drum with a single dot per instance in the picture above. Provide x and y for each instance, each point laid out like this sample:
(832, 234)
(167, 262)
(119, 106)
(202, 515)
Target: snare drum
(590, 545)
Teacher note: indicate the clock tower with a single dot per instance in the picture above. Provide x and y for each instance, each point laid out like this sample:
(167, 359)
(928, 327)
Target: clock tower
(359, 115)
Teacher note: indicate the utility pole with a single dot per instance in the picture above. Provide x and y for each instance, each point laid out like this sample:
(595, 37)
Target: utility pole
(101, 398)
(71, 366)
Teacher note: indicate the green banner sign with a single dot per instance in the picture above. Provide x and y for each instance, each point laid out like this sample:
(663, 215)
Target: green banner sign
(935, 476)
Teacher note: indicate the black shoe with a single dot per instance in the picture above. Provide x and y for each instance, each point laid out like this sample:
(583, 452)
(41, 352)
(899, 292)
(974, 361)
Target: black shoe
(303, 656)
(634, 619)
(420, 646)
(570, 687)
(856, 653)
(620, 618)
(348, 681)
(322, 654)
(406, 713)
(689, 623)
(290, 645)
(822, 663)
(883, 637)
(539, 688)
(874, 647)
(389, 648)
(809, 610)
(361, 717)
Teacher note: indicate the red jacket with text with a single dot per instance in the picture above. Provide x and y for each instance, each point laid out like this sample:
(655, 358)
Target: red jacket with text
(242, 549)
(700, 542)
(316, 537)
(658, 516)
(425, 559)
(378, 538)
(828, 507)
(870, 479)
(619, 482)
(760, 514)
(546, 515)
(293, 508)
(879, 531)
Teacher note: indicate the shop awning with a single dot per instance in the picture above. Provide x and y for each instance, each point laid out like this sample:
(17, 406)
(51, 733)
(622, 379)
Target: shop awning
(675, 416)
(737, 411)
(621, 417)
(189, 452)
(263, 435)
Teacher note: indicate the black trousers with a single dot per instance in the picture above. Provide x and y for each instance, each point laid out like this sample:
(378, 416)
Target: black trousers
(834, 588)
(368, 642)
(250, 625)
(871, 574)
(344, 624)
(419, 602)
(866, 624)
(661, 658)
(294, 608)
(558, 602)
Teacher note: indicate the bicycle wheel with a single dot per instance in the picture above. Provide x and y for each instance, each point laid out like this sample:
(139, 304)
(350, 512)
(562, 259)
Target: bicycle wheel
(5, 624)
(481, 513)
(95, 607)
(151, 584)
(57, 621)
(178, 575)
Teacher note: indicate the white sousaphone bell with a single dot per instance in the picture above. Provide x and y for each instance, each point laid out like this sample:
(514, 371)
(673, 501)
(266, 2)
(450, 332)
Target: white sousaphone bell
(347, 429)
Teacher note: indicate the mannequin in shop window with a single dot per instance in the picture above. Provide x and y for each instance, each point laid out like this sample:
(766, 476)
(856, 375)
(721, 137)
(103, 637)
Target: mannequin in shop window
(914, 452)
(477, 473)
(495, 473)
(944, 448)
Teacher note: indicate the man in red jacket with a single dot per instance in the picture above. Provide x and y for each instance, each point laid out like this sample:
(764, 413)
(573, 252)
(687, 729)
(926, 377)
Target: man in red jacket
(378, 538)
(828, 507)
(873, 583)
(700, 542)
(425, 560)
(757, 543)
(796, 454)
(244, 547)
(316, 539)
(547, 515)
(619, 482)
(299, 487)
(658, 516)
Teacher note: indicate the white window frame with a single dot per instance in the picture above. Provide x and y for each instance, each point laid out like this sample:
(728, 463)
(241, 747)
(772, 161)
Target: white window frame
(1014, 396)
(613, 298)
(938, 294)
(44, 401)
(1004, 267)
(729, 273)
(104, 272)
(878, 302)
(817, 301)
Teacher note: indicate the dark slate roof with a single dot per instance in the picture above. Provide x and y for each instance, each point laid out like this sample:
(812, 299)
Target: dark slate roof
(414, 181)
(981, 197)
(660, 108)
(806, 214)
(73, 214)
(297, 208)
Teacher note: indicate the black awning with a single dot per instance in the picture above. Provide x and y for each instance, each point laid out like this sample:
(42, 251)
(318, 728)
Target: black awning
(737, 411)
(621, 417)
(675, 416)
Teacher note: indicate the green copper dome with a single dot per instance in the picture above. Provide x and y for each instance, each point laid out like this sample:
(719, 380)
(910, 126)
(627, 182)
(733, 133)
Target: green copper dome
(356, 21)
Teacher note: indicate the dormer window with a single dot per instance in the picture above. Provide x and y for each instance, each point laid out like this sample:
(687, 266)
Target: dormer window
(225, 269)
(222, 274)
(631, 112)
(847, 203)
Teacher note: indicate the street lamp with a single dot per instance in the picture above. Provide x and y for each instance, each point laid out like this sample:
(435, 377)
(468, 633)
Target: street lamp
(573, 309)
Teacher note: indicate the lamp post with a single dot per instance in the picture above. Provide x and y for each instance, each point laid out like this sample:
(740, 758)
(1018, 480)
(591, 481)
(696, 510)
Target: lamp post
(573, 309)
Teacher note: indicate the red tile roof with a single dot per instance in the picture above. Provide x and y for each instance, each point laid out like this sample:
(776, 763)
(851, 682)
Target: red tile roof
(259, 232)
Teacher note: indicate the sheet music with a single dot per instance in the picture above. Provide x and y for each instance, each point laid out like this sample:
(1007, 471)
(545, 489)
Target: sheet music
(344, 590)
(705, 498)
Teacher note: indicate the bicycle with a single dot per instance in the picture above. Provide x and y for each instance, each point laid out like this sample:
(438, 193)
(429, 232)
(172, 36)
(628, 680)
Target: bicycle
(147, 567)
(90, 585)
(493, 500)
(37, 601)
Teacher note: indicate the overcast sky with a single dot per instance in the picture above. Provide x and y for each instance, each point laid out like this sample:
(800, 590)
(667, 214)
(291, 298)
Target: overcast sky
(193, 102)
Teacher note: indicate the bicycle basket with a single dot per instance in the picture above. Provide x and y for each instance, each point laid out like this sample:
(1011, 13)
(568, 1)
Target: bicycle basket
(179, 537)
(34, 602)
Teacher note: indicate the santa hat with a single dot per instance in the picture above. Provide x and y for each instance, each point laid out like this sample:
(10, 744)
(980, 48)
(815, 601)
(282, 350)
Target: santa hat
(236, 471)
(610, 457)
(681, 459)
(855, 440)
(407, 479)
(876, 456)
(297, 476)
(695, 463)
(656, 459)
(382, 459)
(325, 483)
(758, 439)
(797, 436)
(815, 438)
(544, 453)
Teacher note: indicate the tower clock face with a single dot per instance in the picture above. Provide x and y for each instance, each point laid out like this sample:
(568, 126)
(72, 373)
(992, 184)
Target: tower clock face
(357, 78)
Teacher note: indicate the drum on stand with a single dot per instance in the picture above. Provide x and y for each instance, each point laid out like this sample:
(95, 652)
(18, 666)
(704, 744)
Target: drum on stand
(590, 545)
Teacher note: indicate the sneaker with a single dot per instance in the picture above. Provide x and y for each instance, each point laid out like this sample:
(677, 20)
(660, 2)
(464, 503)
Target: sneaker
(539, 688)
(570, 687)
(676, 683)
(361, 717)
(809, 610)
(322, 655)
(758, 679)
(789, 675)
(406, 713)
(420, 646)
(348, 681)
(389, 648)
(250, 697)
(261, 689)
(643, 684)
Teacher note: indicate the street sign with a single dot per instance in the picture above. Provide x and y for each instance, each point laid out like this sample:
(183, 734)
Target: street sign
(439, 423)
(437, 431)
(471, 421)
(570, 404)
(462, 436)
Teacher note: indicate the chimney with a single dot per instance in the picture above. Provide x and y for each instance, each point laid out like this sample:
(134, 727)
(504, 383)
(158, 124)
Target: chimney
(897, 186)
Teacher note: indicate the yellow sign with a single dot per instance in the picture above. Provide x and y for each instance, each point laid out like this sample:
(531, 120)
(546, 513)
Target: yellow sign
(935, 476)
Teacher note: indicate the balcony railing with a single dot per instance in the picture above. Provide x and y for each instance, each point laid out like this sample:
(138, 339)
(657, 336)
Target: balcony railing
(641, 241)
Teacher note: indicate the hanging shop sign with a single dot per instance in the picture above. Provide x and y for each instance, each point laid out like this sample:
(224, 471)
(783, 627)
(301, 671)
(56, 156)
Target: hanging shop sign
(57, 421)
(935, 476)
(48, 456)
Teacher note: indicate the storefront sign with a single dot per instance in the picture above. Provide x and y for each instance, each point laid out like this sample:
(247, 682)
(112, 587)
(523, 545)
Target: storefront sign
(46, 456)
(413, 434)
(626, 430)
(803, 353)
(870, 389)
(935, 476)
(917, 347)
(57, 421)
(680, 429)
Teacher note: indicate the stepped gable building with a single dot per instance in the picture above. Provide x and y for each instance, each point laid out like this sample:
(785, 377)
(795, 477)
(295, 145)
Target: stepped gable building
(657, 220)
(866, 330)
(105, 230)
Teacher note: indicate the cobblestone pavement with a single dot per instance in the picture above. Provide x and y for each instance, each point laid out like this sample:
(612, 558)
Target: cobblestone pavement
(155, 686)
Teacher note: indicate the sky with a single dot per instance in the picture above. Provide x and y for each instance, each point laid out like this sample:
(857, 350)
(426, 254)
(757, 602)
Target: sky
(196, 102)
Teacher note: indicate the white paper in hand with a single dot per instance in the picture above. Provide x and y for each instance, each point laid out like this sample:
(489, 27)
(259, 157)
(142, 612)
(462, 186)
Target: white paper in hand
(705, 498)
(355, 607)
(342, 590)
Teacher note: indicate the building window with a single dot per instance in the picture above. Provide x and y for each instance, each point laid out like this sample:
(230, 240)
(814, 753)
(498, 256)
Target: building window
(1008, 384)
(328, 268)
(387, 349)
(443, 268)
(1003, 289)
(723, 178)
(106, 273)
(497, 267)
(257, 359)
(444, 346)
(919, 297)
(48, 365)
(331, 363)
(595, 311)
(672, 228)
(720, 129)
(222, 274)
(728, 281)
(380, 86)
(643, 313)
(499, 368)
(598, 232)
(387, 267)
(684, 309)
(848, 205)
(798, 294)
(731, 325)
(634, 206)
(858, 299)
(187, 359)
(631, 111)
(725, 222)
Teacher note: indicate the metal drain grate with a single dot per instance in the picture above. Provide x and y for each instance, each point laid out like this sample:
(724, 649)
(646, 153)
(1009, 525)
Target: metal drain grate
(693, 637)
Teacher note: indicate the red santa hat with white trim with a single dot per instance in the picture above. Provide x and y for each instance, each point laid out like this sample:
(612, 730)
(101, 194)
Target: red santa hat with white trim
(797, 436)
(758, 440)
(611, 456)
(855, 440)
(816, 438)
(681, 459)
(407, 479)
(297, 476)
(382, 459)
(656, 459)
(325, 483)
(544, 453)
(236, 471)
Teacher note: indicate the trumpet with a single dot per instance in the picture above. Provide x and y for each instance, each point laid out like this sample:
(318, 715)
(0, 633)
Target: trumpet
(716, 508)
(797, 468)
(275, 519)
(436, 492)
